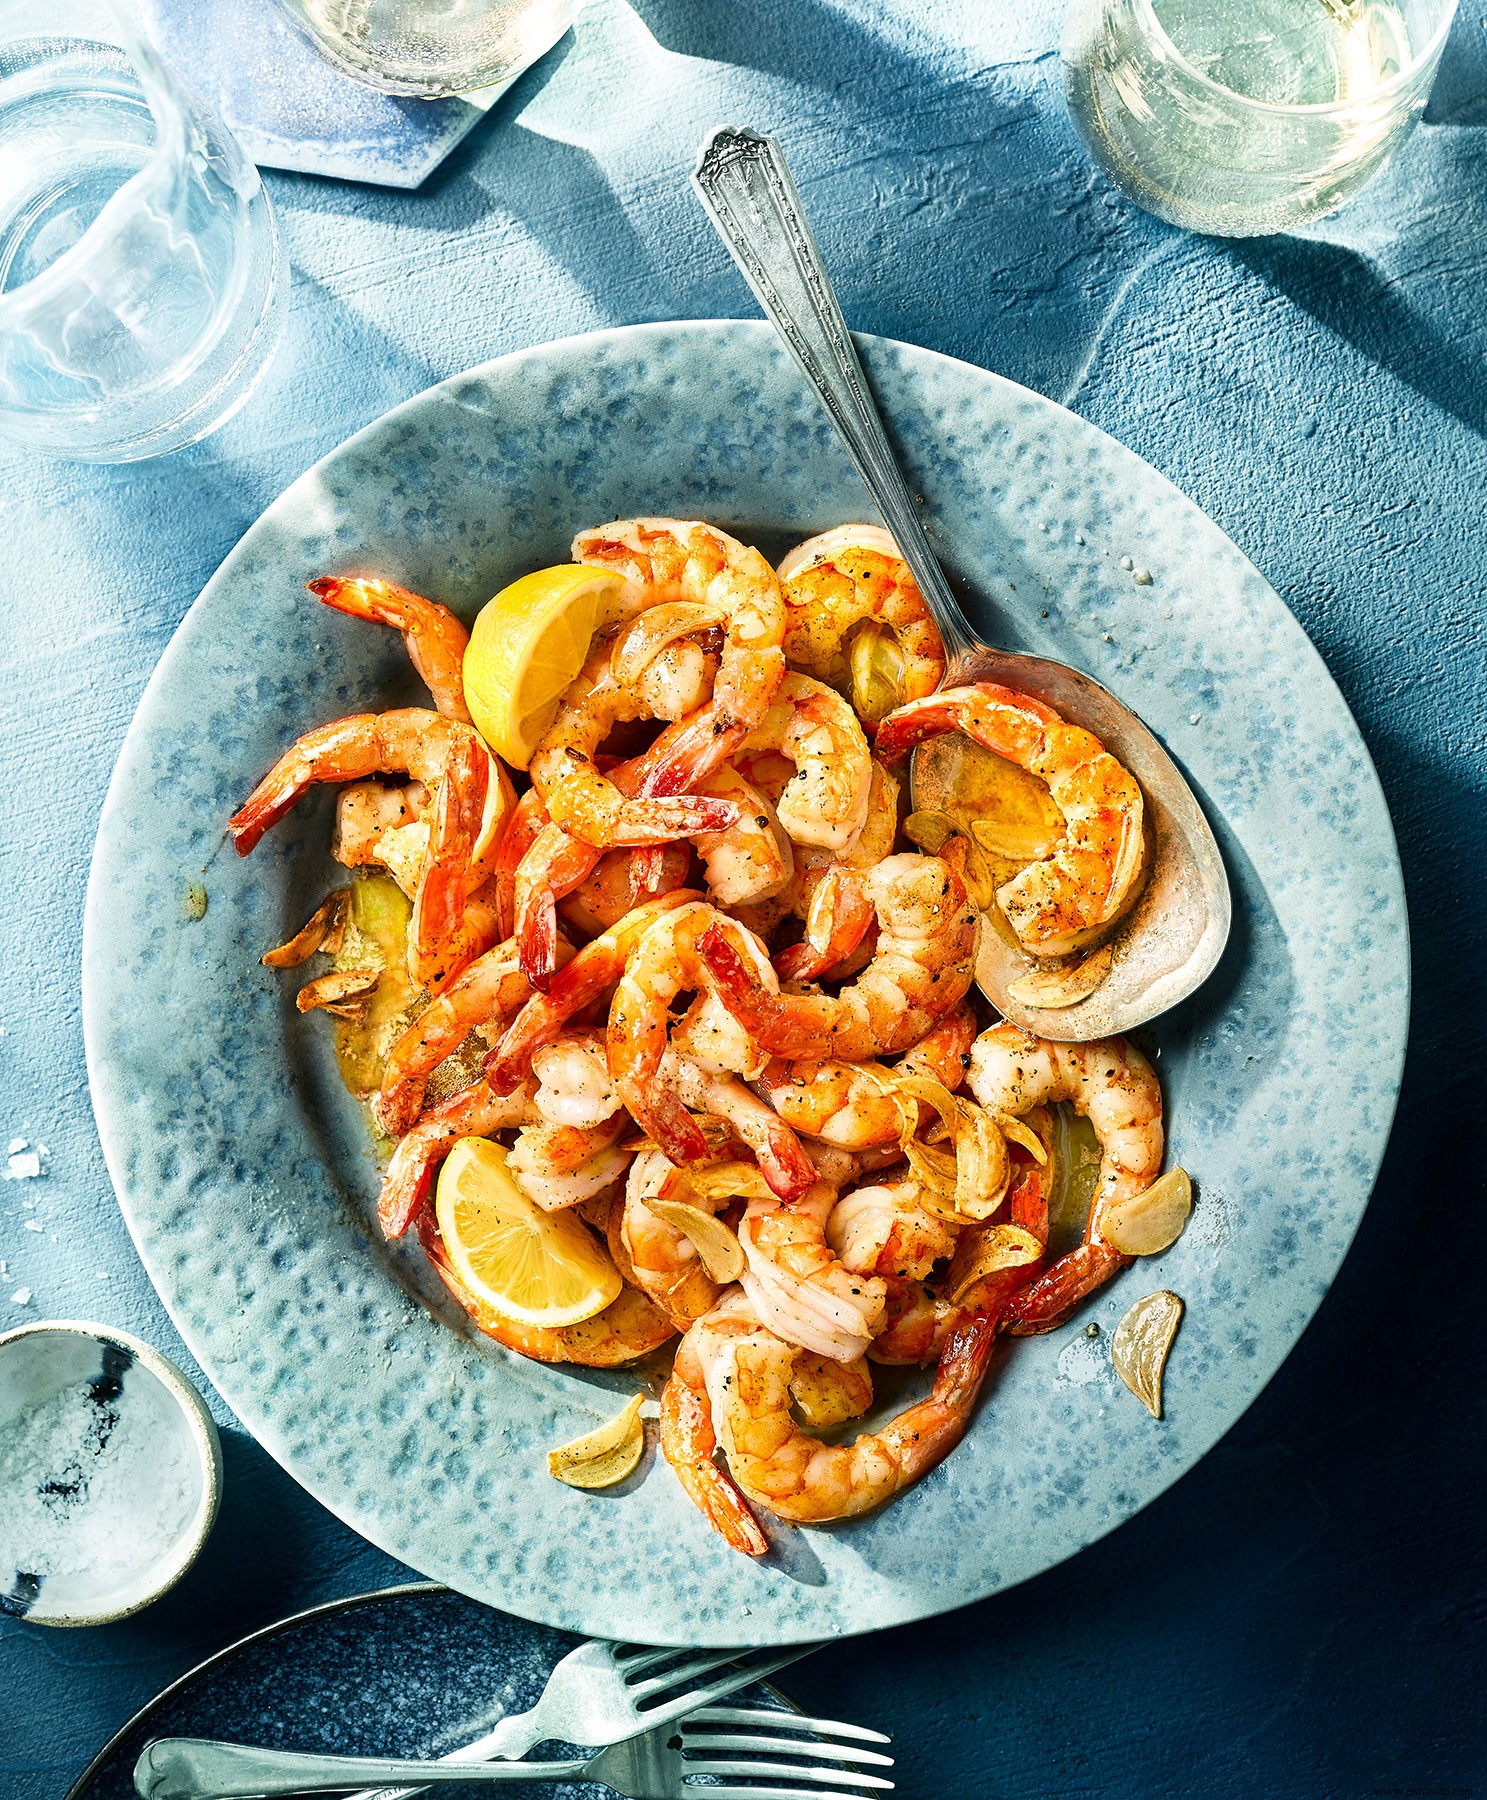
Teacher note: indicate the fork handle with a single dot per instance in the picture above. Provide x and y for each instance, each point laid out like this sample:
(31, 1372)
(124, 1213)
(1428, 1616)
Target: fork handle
(746, 190)
(204, 1769)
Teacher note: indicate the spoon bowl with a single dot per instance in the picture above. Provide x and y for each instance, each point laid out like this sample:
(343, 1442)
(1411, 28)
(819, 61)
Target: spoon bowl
(1172, 936)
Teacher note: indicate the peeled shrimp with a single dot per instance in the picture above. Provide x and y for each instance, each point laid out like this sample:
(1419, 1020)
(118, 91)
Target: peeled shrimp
(825, 802)
(775, 1463)
(697, 563)
(488, 990)
(848, 1104)
(921, 968)
(378, 824)
(557, 1166)
(1114, 1086)
(799, 1289)
(883, 1230)
(596, 967)
(574, 1086)
(688, 1440)
(781, 1157)
(589, 805)
(662, 965)
(845, 578)
(1071, 897)
(664, 1263)
(435, 639)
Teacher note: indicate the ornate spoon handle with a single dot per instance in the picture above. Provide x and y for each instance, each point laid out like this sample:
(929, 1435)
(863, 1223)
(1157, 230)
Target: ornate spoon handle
(745, 186)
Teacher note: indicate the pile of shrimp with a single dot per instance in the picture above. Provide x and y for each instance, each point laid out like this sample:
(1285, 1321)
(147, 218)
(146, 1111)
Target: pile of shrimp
(693, 962)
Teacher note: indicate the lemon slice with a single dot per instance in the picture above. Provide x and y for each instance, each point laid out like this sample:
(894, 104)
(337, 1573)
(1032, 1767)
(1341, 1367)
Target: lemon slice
(526, 646)
(543, 1269)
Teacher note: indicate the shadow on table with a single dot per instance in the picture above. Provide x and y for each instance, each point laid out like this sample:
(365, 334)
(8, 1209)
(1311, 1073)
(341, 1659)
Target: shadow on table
(1460, 93)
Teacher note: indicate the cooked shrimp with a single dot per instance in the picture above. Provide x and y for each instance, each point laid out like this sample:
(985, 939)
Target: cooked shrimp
(921, 968)
(589, 805)
(609, 891)
(487, 991)
(917, 1321)
(410, 740)
(436, 640)
(883, 1230)
(796, 1284)
(781, 1467)
(825, 802)
(704, 566)
(828, 892)
(662, 1259)
(841, 580)
(943, 1054)
(596, 967)
(688, 1440)
(557, 1166)
(574, 1086)
(1116, 1089)
(751, 860)
(527, 821)
(1071, 897)
(782, 1160)
(663, 964)
(628, 1328)
(475, 1111)
(848, 1104)
(440, 939)
(378, 824)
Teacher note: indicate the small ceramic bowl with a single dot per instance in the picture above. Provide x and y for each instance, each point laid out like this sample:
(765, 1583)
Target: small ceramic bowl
(110, 1473)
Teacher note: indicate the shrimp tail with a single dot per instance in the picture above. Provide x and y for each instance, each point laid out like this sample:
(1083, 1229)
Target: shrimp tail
(754, 1009)
(688, 1444)
(784, 1164)
(643, 823)
(1044, 1304)
(405, 1187)
(840, 917)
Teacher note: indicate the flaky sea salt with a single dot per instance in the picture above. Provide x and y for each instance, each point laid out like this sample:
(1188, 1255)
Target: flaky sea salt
(90, 1487)
(24, 1160)
(21, 1297)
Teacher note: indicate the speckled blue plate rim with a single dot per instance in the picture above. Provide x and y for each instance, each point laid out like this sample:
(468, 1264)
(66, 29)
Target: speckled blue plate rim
(248, 1197)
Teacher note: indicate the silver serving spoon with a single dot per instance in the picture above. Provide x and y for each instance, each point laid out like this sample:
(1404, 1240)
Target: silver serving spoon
(1173, 936)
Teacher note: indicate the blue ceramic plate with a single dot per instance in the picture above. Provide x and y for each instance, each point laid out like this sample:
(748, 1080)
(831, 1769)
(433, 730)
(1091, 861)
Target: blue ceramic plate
(246, 1174)
(407, 1671)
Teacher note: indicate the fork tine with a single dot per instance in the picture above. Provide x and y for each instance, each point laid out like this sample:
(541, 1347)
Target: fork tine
(731, 1678)
(684, 1673)
(644, 1656)
(783, 1721)
(846, 1753)
(775, 1793)
(801, 1771)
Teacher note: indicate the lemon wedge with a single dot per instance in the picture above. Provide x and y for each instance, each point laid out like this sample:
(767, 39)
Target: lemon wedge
(526, 646)
(543, 1269)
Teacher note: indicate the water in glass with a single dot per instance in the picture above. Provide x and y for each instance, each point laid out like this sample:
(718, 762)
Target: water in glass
(139, 270)
(1248, 116)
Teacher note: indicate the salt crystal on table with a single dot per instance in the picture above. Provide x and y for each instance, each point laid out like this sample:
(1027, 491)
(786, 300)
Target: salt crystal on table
(21, 1297)
(25, 1162)
(93, 1489)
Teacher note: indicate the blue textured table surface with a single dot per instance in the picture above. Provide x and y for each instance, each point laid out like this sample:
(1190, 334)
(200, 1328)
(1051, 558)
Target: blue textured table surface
(1303, 1614)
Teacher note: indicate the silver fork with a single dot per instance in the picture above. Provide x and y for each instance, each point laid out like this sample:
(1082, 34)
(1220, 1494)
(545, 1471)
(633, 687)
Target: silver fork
(704, 1757)
(602, 1693)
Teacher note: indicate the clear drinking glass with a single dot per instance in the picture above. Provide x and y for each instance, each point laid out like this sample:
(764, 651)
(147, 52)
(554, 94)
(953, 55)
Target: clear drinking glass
(1248, 116)
(434, 47)
(141, 283)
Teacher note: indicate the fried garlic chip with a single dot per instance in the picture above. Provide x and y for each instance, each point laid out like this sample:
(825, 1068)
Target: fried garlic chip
(1055, 988)
(718, 1250)
(1151, 1221)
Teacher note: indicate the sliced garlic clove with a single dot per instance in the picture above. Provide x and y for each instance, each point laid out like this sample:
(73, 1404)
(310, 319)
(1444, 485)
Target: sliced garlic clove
(718, 1250)
(1151, 1221)
(986, 1251)
(1051, 989)
(931, 831)
(343, 992)
(1140, 1345)
(323, 930)
(604, 1456)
